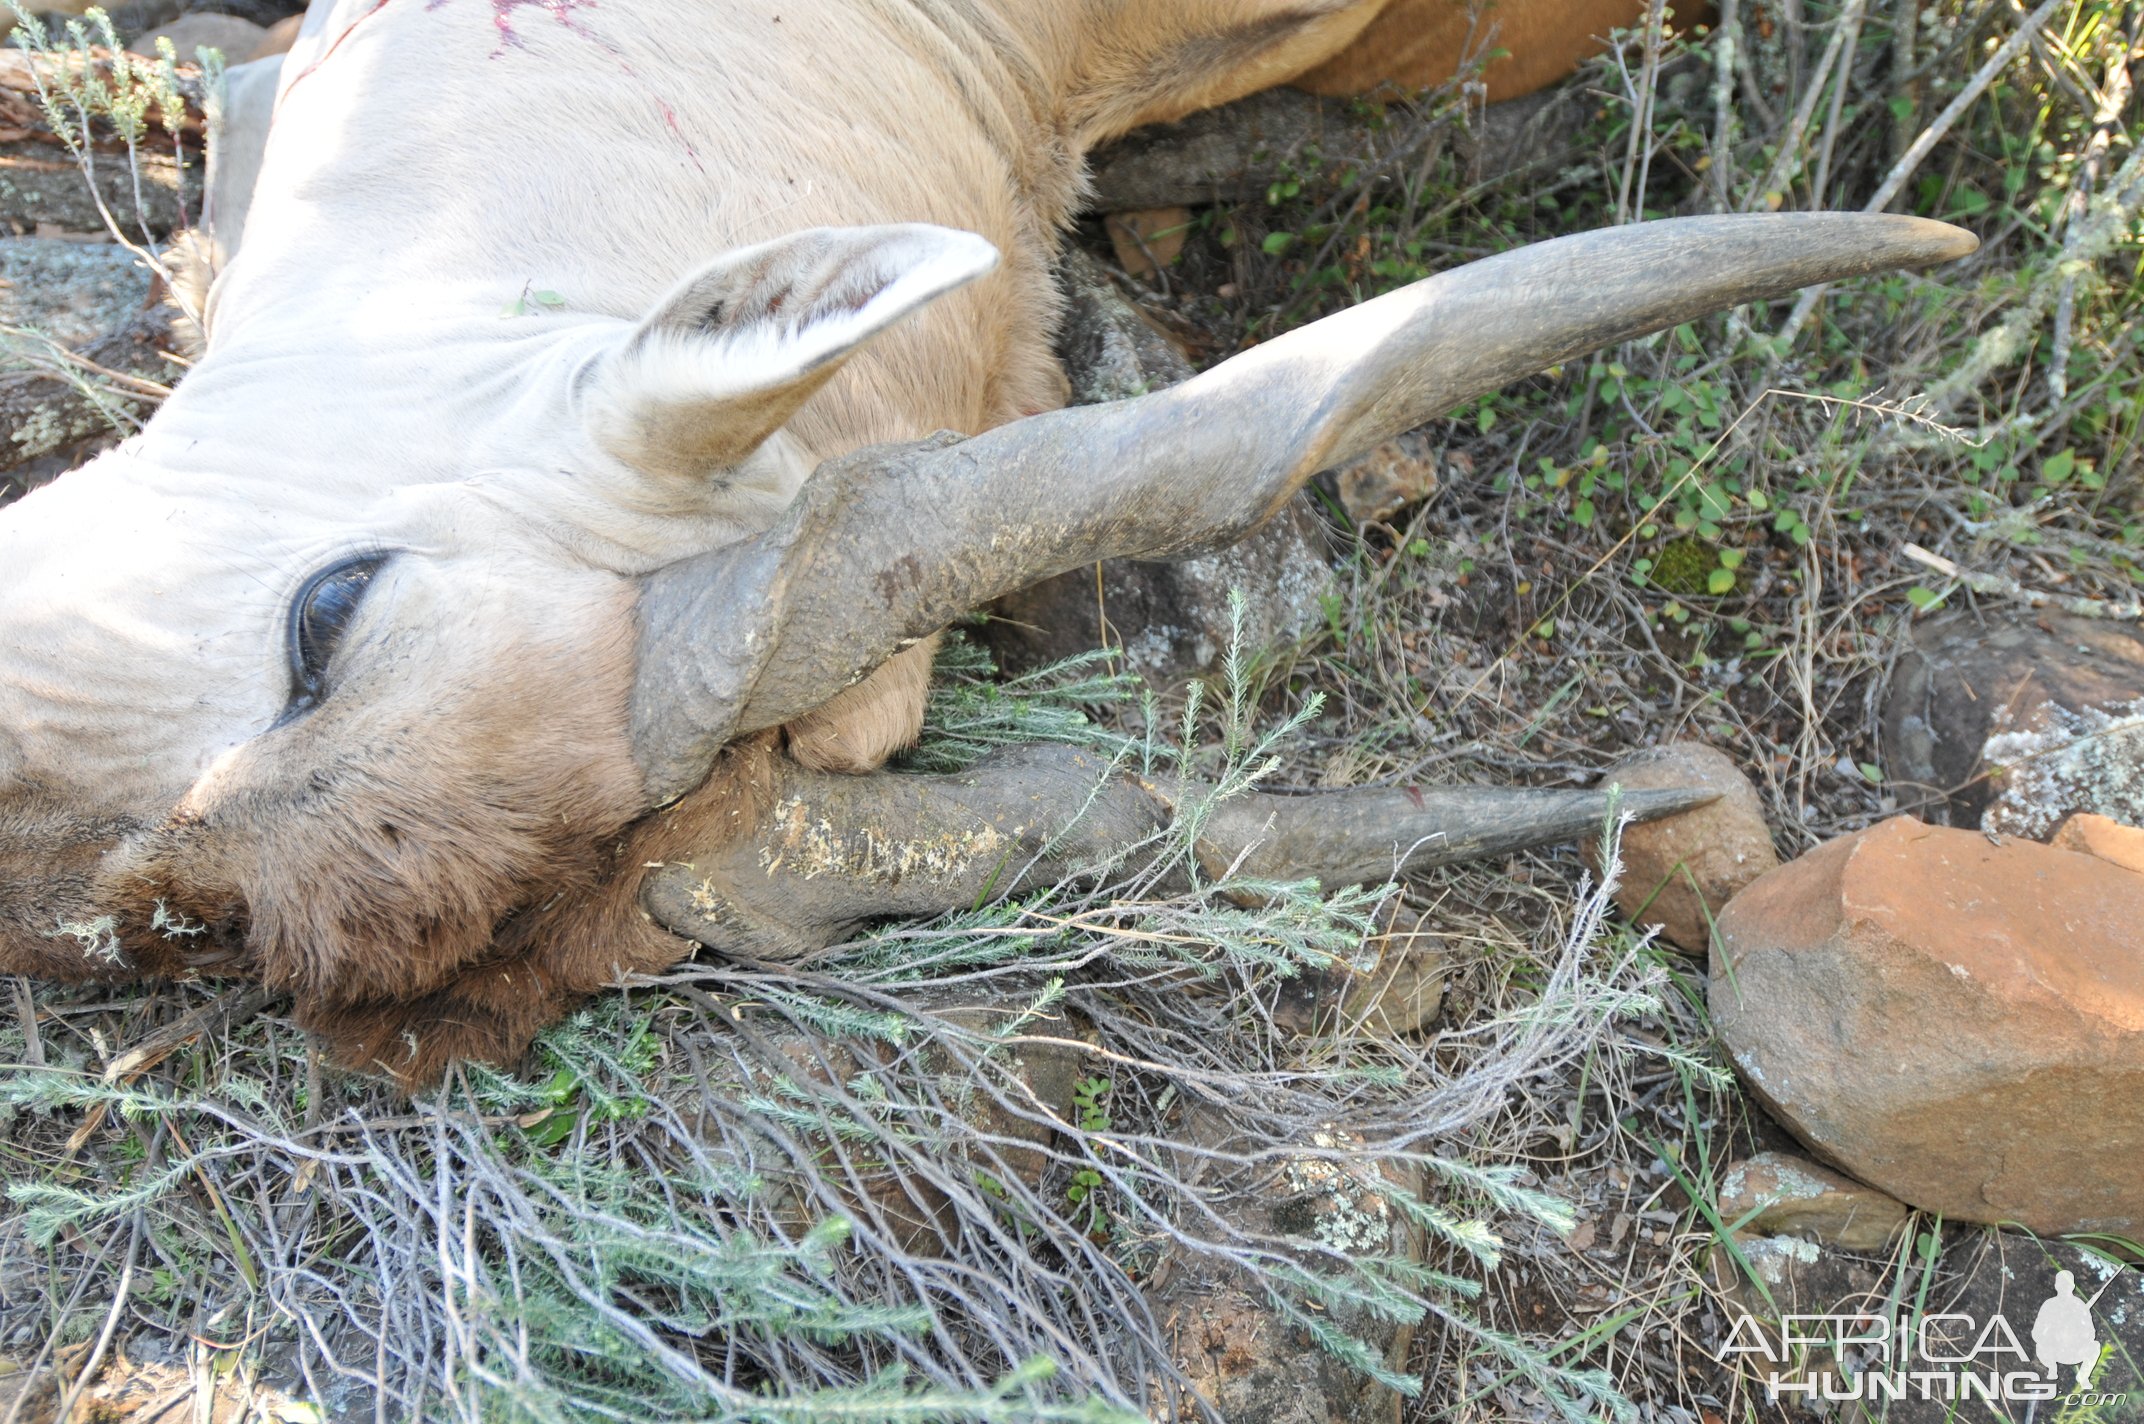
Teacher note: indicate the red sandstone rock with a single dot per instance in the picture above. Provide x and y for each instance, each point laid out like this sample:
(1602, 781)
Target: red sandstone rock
(1954, 1020)
(1779, 1194)
(1680, 871)
(2110, 840)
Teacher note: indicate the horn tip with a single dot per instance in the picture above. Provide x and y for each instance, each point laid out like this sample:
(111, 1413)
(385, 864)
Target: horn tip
(1652, 804)
(1929, 242)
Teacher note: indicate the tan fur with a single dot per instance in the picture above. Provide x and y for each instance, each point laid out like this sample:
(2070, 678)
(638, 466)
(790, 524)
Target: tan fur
(869, 722)
(431, 843)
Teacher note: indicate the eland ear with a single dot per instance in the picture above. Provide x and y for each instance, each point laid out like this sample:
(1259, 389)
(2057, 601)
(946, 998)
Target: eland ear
(722, 361)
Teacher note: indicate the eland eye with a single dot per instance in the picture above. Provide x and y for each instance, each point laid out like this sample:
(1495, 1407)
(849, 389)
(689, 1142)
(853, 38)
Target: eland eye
(319, 616)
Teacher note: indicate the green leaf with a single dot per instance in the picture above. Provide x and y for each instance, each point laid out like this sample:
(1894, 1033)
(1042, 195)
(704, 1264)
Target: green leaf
(1870, 772)
(1276, 243)
(2059, 467)
(1720, 581)
(1923, 598)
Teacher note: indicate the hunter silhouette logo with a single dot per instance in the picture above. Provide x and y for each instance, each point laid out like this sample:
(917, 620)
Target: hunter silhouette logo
(1940, 1355)
(2062, 1332)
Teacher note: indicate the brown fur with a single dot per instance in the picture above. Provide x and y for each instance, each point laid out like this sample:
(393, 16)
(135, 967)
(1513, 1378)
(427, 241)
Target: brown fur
(53, 869)
(1413, 44)
(548, 958)
(385, 863)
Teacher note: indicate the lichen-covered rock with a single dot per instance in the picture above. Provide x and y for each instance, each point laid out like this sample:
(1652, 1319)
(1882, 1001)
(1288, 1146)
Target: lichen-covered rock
(1956, 1020)
(2013, 722)
(1680, 871)
(1171, 620)
(1236, 152)
(1250, 1361)
(90, 298)
(1976, 1279)
(1779, 1194)
(1783, 1275)
(73, 292)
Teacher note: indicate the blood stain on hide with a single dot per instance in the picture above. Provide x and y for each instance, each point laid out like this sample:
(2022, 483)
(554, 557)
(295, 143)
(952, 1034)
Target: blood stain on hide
(502, 18)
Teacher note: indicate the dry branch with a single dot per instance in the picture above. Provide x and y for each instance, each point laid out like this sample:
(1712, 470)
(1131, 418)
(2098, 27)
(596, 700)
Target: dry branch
(1910, 161)
(2002, 586)
(1234, 153)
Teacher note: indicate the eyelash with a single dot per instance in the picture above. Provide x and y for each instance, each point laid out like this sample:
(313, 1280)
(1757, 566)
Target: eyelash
(316, 625)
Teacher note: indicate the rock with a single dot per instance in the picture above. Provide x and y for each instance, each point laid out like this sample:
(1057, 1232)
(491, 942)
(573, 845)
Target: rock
(1778, 1194)
(234, 38)
(1680, 871)
(1394, 986)
(1015, 1105)
(1111, 349)
(1783, 1275)
(1400, 472)
(1955, 1021)
(1033, 1082)
(1171, 620)
(2111, 841)
(278, 37)
(89, 298)
(1149, 240)
(2010, 723)
(73, 292)
(40, 184)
